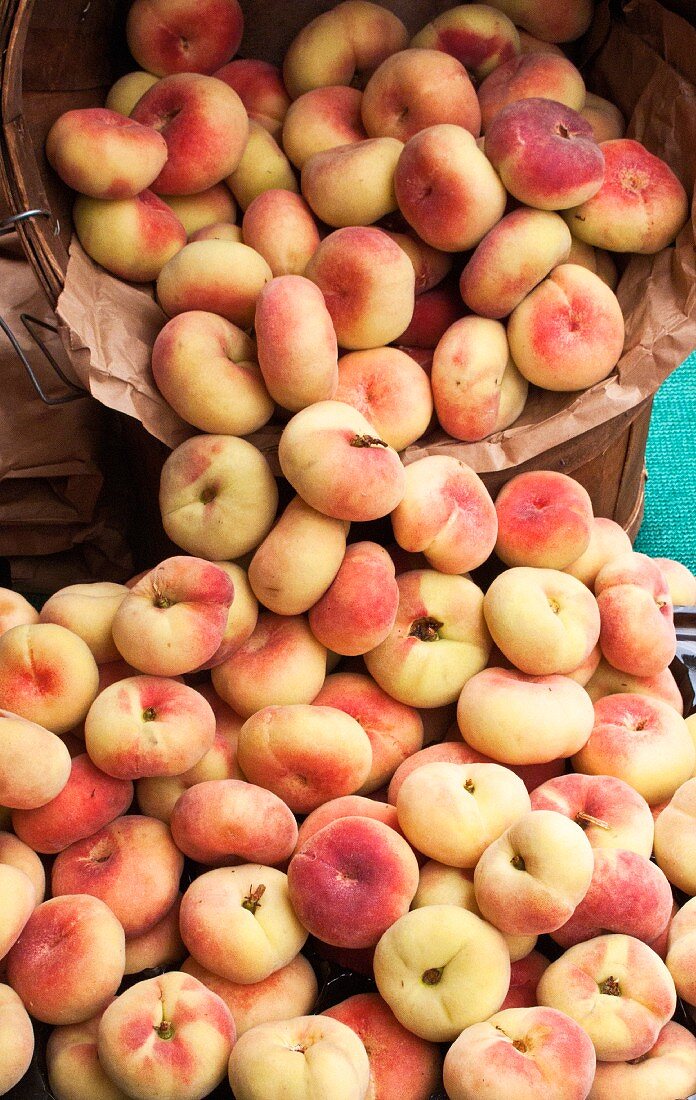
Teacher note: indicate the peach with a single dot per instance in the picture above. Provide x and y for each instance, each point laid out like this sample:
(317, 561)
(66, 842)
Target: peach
(390, 390)
(680, 953)
(218, 231)
(531, 76)
(180, 36)
(332, 458)
(395, 730)
(607, 680)
(358, 610)
(537, 1053)
(238, 922)
(89, 801)
(640, 740)
(105, 154)
(260, 87)
(209, 207)
(440, 969)
(305, 754)
(69, 960)
(168, 1035)
(479, 37)
(368, 283)
(568, 333)
(160, 946)
(16, 1039)
(217, 276)
(354, 37)
(477, 389)
(524, 979)
(332, 1062)
(680, 581)
(218, 497)
(447, 514)
(18, 898)
(34, 764)
(281, 662)
(446, 188)
(451, 752)
(16, 853)
(430, 265)
(195, 115)
(530, 44)
(47, 675)
(224, 821)
(349, 805)
(290, 991)
(531, 879)
(433, 313)
(417, 88)
(321, 119)
(402, 1066)
(131, 238)
(675, 838)
(511, 259)
(549, 20)
(668, 1067)
(280, 226)
(352, 184)
(297, 349)
(15, 610)
(604, 117)
(72, 1062)
(640, 207)
(88, 610)
(263, 166)
(611, 812)
(127, 90)
(635, 606)
(608, 540)
(617, 989)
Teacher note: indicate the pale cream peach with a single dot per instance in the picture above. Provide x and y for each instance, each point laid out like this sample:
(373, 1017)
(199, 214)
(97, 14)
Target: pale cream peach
(34, 763)
(217, 276)
(680, 580)
(218, 231)
(263, 166)
(668, 1067)
(73, 1066)
(608, 540)
(675, 838)
(352, 184)
(213, 206)
(18, 903)
(15, 610)
(280, 226)
(88, 610)
(417, 88)
(16, 1039)
(550, 20)
(16, 853)
(607, 680)
(127, 90)
(604, 117)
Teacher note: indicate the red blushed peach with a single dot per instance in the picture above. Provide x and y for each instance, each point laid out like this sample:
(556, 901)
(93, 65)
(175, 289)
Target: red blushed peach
(239, 923)
(675, 838)
(88, 610)
(390, 390)
(430, 265)
(132, 865)
(417, 88)
(531, 76)
(178, 36)
(635, 606)
(89, 801)
(131, 238)
(435, 310)
(368, 283)
(209, 207)
(354, 37)
(160, 946)
(216, 276)
(168, 1035)
(73, 1066)
(218, 496)
(288, 992)
(668, 1067)
(680, 581)
(260, 87)
(480, 38)
(281, 661)
(552, 20)
(280, 226)
(351, 880)
(537, 1052)
(358, 610)
(395, 731)
(127, 90)
(477, 389)
(263, 166)
(69, 960)
(104, 154)
(642, 741)
(611, 812)
(604, 117)
(607, 680)
(227, 821)
(640, 207)
(402, 1066)
(148, 726)
(447, 514)
(545, 153)
(18, 898)
(350, 805)
(511, 259)
(296, 342)
(544, 520)
(628, 894)
(568, 333)
(15, 610)
(16, 853)
(524, 979)
(304, 754)
(34, 764)
(446, 188)
(608, 540)
(321, 119)
(617, 989)
(47, 675)
(16, 1039)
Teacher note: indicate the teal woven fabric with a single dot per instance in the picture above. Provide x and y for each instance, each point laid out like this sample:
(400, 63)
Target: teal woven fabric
(669, 526)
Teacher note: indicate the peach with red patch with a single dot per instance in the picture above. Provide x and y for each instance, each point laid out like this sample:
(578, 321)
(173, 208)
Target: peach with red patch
(447, 190)
(69, 960)
(160, 946)
(549, 20)
(280, 226)
(352, 880)
(89, 801)
(217, 276)
(321, 119)
(430, 265)
(668, 1067)
(16, 1039)
(608, 540)
(435, 310)
(611, 812)
(181, 36)
(417, 88)
(132, 865)
(349, 805)
(635, 606)
(34, 763)
(305, 754)
(168, 1035)
(531, 76)
(390, 390)
(640, 207)
(131, 238)
(525, 974)
(260, 87)
(402, 1066)
(641, 740)
(607, 680)
(15, 610)
(88, 610)
(18, 901)
(544, 520)
(675, 838)
(479, 37)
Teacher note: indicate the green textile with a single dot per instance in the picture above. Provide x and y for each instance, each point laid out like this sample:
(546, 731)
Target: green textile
(669, 526)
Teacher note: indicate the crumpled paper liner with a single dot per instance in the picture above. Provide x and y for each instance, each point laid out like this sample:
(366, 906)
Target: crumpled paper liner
(644, 59)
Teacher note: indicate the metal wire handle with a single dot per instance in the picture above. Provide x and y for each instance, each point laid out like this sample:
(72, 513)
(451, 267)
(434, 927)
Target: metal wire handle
(76, 392)
(9, 224)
